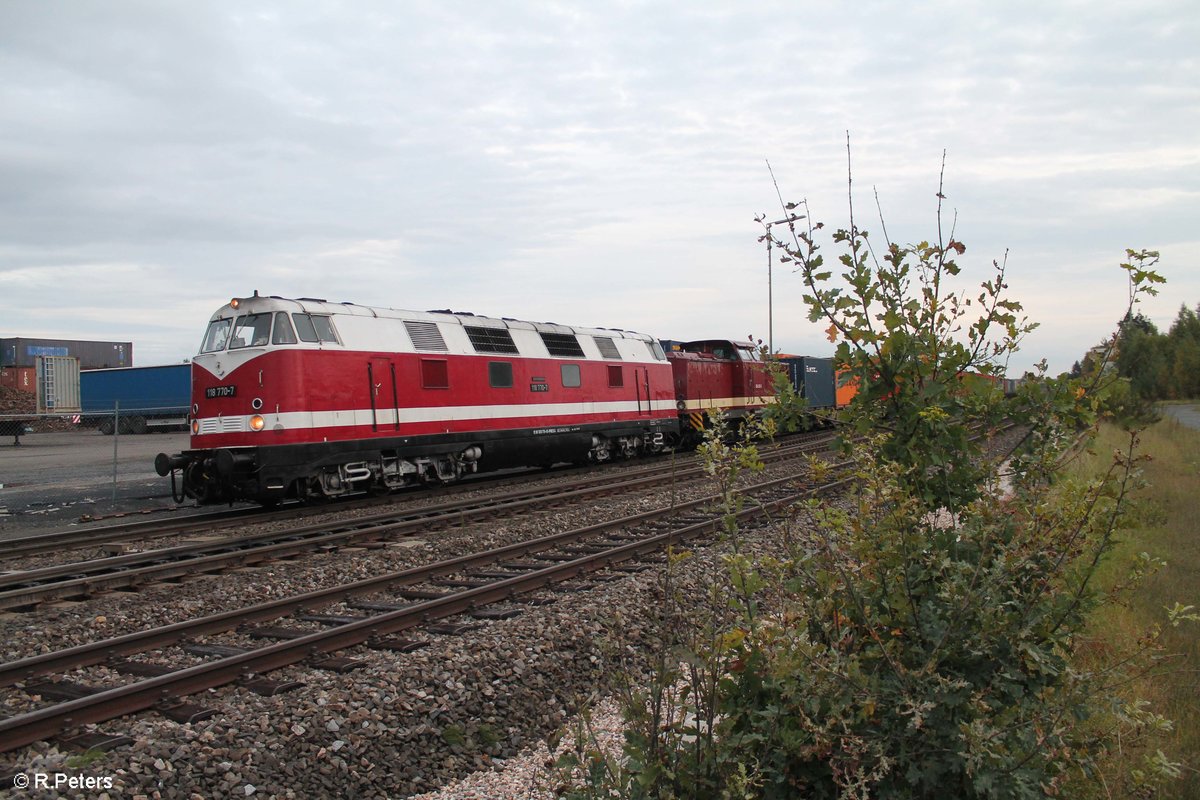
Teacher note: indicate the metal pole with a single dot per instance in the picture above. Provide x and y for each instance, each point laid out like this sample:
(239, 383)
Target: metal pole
(116, 436)
(770, 300)
(790, 218)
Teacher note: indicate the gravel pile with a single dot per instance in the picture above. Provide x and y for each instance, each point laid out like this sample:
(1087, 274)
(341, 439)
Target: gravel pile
(19, 401)
(16, 401)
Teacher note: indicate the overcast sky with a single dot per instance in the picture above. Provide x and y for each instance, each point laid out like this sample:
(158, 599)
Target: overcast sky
(585, 163)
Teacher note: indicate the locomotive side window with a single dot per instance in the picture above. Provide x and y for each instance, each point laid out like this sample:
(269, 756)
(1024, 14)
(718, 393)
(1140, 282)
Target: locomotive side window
(500, 374)
(216, 336)
(657, 351)
(304, 327)
(324, 328)
(615, 378)
(570, 376)
(313, 328)
(434, 374)
(283, 329)
(252, 330)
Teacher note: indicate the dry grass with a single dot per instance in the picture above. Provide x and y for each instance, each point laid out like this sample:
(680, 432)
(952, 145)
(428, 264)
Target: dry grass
(1170, 533)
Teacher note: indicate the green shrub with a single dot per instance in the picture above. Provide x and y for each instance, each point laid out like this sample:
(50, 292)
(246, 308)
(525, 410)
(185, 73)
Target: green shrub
(921, 640)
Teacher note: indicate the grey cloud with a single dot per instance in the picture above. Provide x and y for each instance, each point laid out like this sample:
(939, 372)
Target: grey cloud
(373, 150)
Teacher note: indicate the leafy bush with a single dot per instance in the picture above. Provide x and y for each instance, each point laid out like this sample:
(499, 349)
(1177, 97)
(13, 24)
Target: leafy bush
(921, 639)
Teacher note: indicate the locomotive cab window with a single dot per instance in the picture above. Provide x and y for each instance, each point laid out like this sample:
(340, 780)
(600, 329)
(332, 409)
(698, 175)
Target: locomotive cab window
(324, 328)
(216, 336)
(314, 328)
(500, 374)
(252, 330)
(283, 329)
(570, 376)
(747, 354)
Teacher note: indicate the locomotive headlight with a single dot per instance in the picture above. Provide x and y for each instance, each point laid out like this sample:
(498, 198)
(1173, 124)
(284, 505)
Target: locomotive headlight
(195, 427)
(257, 423)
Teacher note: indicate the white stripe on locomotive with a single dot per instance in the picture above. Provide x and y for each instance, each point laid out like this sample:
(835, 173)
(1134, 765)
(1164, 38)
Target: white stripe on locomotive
(302, 420)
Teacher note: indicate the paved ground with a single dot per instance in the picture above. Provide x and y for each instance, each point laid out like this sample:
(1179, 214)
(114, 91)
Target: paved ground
(52, 480)
(1188, 415)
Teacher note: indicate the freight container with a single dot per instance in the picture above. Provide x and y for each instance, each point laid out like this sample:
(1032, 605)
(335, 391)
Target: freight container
(137, 399)
(24, 352)
(57, 384)
(812, 378)
(847, 387)
(21, 378)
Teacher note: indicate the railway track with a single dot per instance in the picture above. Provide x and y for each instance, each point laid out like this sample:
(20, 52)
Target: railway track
(26, 589)
(144, 530)
(489, 584)
(55, 542)
(401, 607)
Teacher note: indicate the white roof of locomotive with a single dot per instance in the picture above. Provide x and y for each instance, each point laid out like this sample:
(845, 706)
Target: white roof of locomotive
(376, 328)
(258, 303)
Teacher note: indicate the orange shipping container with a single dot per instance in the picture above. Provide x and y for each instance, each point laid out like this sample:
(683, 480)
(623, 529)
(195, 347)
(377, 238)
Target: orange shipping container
(22, 378)
(845, 391)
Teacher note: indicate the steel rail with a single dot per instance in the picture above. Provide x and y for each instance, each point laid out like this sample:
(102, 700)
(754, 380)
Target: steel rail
(23, 546)
(55, 541)
(77, 579)
(141, 641)
(36, 725)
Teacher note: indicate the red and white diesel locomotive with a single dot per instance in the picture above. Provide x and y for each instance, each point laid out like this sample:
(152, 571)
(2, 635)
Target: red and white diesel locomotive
(305, 398)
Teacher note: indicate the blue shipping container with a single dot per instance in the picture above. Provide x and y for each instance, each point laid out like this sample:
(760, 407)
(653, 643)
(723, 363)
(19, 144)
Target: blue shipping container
(149, 397)
(137, 388)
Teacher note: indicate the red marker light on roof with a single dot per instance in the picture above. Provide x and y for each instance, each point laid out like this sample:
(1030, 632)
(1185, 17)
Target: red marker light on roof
(234, 303)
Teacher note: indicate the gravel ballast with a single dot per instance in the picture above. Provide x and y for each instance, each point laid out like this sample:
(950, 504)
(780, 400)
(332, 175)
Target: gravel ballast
(468, 716)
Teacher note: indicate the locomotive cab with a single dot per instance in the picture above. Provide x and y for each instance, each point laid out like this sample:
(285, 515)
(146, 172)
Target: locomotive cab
(718, 376)
(244, 389)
